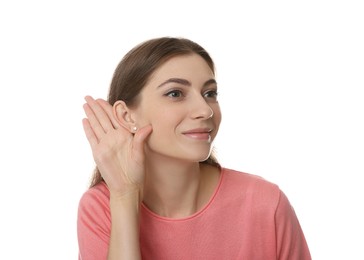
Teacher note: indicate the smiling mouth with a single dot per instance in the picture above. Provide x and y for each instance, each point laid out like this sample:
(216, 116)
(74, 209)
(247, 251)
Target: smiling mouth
(199, 134)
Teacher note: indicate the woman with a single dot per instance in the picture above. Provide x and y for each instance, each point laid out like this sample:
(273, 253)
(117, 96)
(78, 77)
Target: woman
(158, 192)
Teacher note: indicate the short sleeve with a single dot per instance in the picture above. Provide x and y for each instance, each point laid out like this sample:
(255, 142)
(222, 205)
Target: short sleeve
(93, 224)
(291, 243)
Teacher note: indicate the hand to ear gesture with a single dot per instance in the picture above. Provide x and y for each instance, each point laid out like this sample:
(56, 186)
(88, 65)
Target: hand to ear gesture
(118, 153)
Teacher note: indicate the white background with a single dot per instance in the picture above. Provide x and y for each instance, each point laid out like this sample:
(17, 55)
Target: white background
(291, 76)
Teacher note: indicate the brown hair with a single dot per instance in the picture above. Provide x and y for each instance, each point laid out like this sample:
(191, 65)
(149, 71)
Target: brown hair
(135, 69)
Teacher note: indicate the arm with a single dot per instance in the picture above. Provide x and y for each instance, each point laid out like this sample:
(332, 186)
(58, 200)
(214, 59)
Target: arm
(119, 155)
(124, 239)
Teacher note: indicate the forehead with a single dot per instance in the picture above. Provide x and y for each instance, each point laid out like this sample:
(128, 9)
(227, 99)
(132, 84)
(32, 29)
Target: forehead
(191, 66)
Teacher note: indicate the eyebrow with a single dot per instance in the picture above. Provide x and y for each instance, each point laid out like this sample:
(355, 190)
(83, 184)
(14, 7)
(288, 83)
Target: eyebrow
(185, 82)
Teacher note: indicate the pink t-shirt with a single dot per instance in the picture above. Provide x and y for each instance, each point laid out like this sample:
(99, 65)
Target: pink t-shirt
(246, 218)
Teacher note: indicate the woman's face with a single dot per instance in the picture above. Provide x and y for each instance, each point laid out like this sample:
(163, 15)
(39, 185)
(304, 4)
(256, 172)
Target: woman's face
(180, 102)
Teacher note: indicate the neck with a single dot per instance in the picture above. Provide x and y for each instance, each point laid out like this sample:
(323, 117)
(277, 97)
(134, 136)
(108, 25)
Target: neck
(173, 188)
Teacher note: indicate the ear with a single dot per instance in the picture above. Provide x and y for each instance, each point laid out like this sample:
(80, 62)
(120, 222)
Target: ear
(124, 115)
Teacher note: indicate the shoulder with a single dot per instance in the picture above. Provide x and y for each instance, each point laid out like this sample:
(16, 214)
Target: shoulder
(250, 188)
(95, 202)
(248, 181)
(94, 211)
(98, 193)
(94, 223)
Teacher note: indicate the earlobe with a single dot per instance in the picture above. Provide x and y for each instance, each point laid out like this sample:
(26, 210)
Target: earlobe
(123, 115)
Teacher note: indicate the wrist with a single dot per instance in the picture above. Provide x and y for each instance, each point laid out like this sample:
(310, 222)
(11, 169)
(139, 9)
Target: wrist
(127, 197)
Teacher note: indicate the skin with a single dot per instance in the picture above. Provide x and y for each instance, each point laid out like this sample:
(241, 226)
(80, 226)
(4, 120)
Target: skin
(177, 116)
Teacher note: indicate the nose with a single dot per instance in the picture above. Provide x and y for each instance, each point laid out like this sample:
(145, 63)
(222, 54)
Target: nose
(200, 109)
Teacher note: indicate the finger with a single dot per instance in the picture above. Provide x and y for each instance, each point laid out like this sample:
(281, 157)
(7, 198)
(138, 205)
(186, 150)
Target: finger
(90, 135)
(139, 140)
(93, 121)
(107, 107)
(101, 115)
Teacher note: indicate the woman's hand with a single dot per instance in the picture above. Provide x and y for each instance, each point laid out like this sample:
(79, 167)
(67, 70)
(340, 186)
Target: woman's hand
(118, 153)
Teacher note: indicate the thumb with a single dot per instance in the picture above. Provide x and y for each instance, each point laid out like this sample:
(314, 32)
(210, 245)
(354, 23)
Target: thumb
(140, 137)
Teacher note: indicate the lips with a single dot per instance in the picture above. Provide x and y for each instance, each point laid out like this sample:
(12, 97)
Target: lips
(199, 134)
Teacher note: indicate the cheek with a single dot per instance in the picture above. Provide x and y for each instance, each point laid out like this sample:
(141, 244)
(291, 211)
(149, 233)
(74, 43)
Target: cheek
(164, 123)
(149, 114)
(162, 120)
(164, 127)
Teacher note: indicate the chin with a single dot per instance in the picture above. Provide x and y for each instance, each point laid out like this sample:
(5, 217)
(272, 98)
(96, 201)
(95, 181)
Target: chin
(186, 153)
(199, 157)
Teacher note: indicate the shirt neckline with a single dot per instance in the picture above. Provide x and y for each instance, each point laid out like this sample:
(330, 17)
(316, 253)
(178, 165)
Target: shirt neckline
(194, 215)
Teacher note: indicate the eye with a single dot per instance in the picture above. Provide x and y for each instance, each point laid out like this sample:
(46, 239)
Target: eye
(174, 94)
(211, 94)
